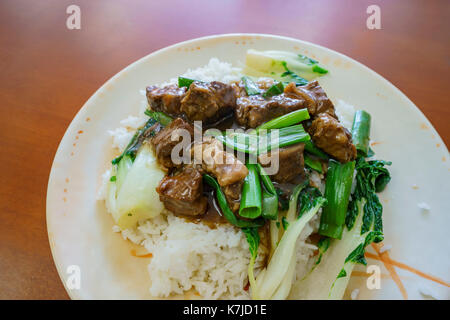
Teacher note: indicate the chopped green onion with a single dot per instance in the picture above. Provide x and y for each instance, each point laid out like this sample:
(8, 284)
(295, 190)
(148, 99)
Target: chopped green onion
(286, 120)
(112, 179)
(161, 117)
(314, 164)
(311, 148)
(274, 90)
(251, 201)
(337, 192)
(250, 87)
(226, 211)
(361, 132)
(185, 82)
(262, 142)
(269, 196)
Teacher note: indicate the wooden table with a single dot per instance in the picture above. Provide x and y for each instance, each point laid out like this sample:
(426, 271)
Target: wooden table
(47, 72)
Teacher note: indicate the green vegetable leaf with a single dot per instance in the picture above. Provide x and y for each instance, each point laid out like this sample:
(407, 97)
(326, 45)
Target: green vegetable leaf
(285, 223)
(322, 245)
(292, 76)
(147, 131)
(309, 197)
(342, 274)
(186, 82)
(274, 90)
(306, 60)
(250, 87)
(253, 242)
(314, 164)
(252, 239)
(161, 117)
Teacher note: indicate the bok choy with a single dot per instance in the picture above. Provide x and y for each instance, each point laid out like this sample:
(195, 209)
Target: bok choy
(276, 280)
(132, 196)
(282, 66)
(363, 225)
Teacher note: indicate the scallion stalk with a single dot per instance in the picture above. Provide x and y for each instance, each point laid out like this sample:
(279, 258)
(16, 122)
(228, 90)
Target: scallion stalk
(269, 196)
(251, 198)
(337, 192)
(314, 164)
(311, 148)
(361, 132)
(226, 211)
(262, 142)
(286, 120)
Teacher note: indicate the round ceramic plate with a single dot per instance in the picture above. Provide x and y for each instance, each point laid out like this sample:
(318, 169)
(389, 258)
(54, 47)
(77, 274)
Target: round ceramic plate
(80, 230)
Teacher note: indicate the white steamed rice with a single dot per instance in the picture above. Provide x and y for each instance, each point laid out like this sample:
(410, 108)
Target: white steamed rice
(189, 256)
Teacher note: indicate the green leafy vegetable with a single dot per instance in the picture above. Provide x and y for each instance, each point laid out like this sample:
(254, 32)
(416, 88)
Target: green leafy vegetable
(363, 226)
(274, 90)
(226, 211)
(282, 66)
(161, 117)
(253, 242)
(292, 76)
(371, 178)
(250, 87)
(276, 281)
(132, 196)
(312, 149)
(342, 274)
(314, 164)
(186, 82)
(285, 223)
(322, 245)
(148, 130)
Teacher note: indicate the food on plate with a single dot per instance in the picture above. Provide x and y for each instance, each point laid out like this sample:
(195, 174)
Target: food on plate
(247, 182)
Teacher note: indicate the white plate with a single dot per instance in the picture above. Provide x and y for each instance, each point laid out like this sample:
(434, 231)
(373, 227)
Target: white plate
(79, 228)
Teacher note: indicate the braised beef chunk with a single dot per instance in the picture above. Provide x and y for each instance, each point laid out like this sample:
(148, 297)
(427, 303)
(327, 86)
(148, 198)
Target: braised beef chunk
(229, 171)
(219, 163)
(233, 194)
(332, 137)
(290, 159)
(252, 111)
(316, 99)
(208, 101)
(166, 99)
(182, 193)
(168, 138)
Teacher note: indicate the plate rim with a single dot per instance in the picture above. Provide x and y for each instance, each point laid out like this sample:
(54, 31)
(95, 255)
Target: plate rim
(160, 51)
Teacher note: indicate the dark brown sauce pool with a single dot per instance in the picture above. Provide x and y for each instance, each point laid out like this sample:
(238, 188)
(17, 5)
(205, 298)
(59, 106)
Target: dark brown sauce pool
(213, 215)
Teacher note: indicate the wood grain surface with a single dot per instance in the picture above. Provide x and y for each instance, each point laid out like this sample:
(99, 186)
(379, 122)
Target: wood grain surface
(47, 72)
